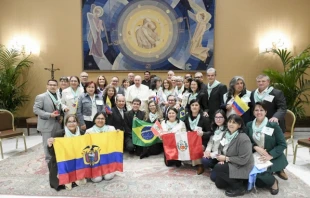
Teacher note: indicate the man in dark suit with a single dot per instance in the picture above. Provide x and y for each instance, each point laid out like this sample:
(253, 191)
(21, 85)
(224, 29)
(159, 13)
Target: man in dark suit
(147, 79)
(116, 119)
(134, 112)
(215, 90)
(47, 106)
(114, 83)
(199, 76)
(275, 103)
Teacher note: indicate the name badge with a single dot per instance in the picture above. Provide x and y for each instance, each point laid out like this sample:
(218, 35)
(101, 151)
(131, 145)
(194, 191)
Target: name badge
(99, 102)
(223, 142)
(268, 131)
(269, 98)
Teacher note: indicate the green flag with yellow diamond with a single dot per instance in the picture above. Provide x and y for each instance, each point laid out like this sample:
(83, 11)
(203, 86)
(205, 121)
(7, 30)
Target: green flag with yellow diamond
(142, 134)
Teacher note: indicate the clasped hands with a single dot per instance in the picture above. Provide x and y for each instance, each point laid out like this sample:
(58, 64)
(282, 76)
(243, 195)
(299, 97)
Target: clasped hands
(264, 155)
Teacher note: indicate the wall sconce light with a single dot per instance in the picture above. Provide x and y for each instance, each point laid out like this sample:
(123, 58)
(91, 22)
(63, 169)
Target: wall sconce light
(273, 40)
(25, 45)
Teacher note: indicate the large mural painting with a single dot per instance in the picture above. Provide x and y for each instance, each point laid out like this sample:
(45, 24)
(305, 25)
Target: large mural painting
(148, 34)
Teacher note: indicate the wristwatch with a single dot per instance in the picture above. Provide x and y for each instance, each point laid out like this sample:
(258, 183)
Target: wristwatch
(227, 159)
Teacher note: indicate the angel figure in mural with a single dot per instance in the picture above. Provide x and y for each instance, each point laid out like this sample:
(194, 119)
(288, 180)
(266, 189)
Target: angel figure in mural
(95, 29)
(146, 35)
(202, 19)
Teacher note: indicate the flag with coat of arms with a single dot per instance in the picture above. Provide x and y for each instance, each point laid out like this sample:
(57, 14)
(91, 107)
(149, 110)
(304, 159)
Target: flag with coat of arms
(182, 146)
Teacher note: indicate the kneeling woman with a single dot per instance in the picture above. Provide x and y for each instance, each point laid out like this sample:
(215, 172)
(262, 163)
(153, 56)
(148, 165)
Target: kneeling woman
(173, 125)
(71, 130)
(269, 146)
(235, 160)
(99, 127)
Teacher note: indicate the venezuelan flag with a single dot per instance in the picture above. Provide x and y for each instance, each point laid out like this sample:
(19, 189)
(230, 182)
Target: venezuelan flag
(108, 106)
(142, 134)
(239, 106)
(88, 156)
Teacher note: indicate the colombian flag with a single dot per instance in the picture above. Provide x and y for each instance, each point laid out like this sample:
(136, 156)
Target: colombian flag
(108, 106)
(88, 156)
(142, 134)
(239, 106)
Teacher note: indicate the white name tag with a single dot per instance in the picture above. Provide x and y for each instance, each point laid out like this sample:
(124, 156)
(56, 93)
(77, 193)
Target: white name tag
(99, 102)
(269, 98)
(268, 130)
(223, 142)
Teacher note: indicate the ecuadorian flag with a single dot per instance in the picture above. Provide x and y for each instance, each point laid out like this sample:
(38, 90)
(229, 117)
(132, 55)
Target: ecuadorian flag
(142, 134)
(239, 106)
(88, 156)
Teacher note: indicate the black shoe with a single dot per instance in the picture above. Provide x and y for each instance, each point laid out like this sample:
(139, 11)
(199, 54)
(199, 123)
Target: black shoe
(234, 192)
(132, 152)
(275, 191)
(144, 154)
(167, 162)
(178, 163)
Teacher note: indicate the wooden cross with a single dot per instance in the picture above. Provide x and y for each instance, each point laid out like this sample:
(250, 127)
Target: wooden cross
(52, 70)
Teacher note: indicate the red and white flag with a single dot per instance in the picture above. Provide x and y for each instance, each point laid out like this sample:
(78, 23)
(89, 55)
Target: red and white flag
(156, 128)
(182, 146)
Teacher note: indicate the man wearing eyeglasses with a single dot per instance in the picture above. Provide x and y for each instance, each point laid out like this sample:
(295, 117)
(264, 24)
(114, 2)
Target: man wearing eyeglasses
(199, 76)
(114, 83)
(47, 106)
(83, 79)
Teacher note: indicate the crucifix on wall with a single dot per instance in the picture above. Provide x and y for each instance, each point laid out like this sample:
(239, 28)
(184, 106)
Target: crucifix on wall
(52, 70)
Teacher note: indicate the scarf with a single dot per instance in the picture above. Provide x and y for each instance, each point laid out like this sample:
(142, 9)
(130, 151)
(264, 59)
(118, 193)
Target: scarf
(171, 125)
(56, 101)
(258, 130)
(215, 83)
(153, 116)
(192, 97)
(259, 97)
(96, 129)
(193, 123)
(68, 133)
(229, 137)
(218, 133)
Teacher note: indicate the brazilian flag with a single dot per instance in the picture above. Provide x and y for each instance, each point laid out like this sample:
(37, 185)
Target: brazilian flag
(181, 114)
(142, 134)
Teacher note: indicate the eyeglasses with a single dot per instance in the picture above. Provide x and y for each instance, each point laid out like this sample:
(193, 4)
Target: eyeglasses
(198, 76)
(84, 76)
(114, 80)
(71, 122)
(52, 85)
(100, 118)
(219, 117)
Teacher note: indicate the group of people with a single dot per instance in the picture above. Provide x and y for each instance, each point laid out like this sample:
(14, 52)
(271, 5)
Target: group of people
(229, 134)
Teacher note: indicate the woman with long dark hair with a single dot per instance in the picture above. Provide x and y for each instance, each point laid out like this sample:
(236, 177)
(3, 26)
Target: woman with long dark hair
(197, 94)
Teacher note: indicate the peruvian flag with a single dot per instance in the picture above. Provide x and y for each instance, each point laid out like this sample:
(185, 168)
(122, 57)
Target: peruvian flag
(182, 146)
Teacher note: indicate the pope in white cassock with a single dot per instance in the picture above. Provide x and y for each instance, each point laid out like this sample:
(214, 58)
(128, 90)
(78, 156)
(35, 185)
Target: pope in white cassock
(137, 90)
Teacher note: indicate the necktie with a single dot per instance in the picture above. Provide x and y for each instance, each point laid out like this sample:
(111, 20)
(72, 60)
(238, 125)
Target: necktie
(122, 113)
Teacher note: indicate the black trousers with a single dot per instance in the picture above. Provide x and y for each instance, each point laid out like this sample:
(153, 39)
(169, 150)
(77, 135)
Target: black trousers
(222, 179)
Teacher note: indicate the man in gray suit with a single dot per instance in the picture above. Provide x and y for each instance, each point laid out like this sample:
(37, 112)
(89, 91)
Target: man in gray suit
(47, 106)
(114, 83)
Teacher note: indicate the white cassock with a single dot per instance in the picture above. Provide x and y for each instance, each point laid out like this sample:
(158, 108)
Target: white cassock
(141, 92)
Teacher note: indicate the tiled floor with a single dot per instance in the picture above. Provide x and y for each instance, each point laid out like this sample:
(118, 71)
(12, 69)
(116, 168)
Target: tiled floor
(301, 169)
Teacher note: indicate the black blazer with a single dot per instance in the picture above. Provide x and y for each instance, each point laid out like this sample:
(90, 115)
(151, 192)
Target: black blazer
(216, 99)
(276, 108)
(205, 124)
(128, 117)
(115, 119)
(203, 101)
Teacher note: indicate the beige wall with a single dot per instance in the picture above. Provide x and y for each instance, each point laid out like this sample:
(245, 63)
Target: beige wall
(239, 26)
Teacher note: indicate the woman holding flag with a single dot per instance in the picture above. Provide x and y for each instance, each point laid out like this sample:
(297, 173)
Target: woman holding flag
(268, 141)
(89, 104)
(101, 127)
(237, 99)
(152, 114)
(195, 121)
(71, 130)
(109, 98)
(172, 125)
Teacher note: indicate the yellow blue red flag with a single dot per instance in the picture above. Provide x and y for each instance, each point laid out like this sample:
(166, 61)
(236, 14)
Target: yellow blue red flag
(239, 106)
(108, 106)
(88, 156)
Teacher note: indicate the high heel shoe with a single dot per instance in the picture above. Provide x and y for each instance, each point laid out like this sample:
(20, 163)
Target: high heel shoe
(275, 191)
